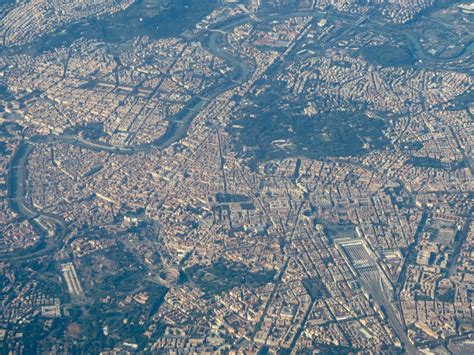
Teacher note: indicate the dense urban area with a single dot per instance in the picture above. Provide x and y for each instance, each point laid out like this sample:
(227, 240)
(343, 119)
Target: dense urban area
(236, 176)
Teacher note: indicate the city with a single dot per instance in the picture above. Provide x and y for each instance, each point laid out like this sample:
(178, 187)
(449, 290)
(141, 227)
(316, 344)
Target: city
(261, 176)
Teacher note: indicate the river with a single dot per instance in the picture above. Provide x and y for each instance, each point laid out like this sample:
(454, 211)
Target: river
(177, 130)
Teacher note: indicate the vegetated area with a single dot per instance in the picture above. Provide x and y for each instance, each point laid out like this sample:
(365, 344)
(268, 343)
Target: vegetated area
(42, 272)
(446, 33)
(111, 298)
(316, 289)
(152, 18)
(271, 129)
(3, 148)
(426, 162)
(223, 276)
(231, 198)
(337, 231)
(434, 163)
(102, 279)
(330, 349)
(388, 55)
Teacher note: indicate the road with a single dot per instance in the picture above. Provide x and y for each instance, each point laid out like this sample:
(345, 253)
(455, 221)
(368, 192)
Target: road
(214, 42)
